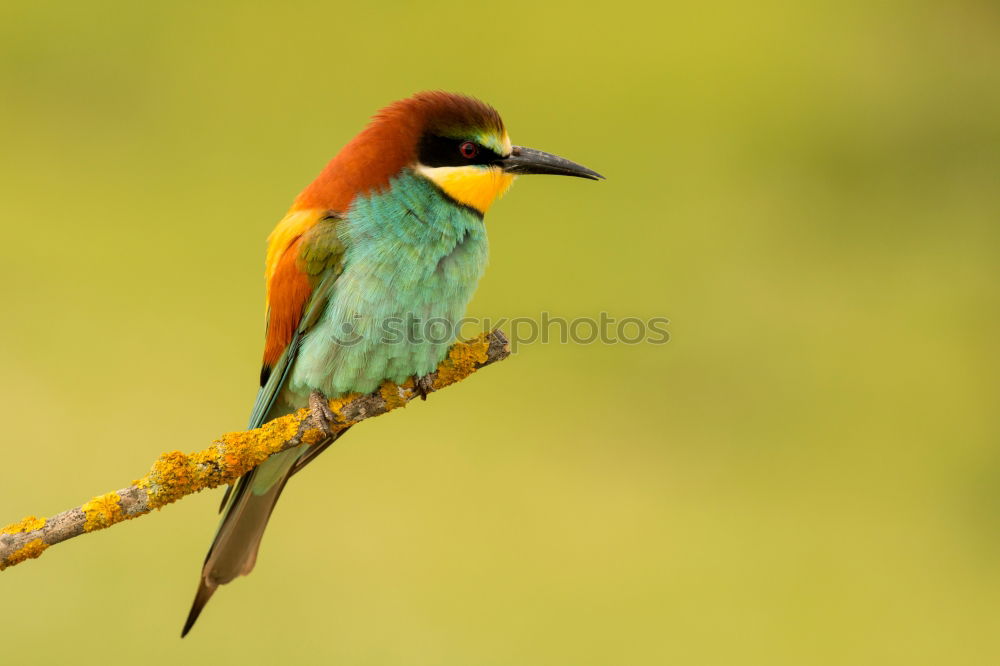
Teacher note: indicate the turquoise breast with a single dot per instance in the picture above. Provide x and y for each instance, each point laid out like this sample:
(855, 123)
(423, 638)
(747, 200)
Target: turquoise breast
(412, 261)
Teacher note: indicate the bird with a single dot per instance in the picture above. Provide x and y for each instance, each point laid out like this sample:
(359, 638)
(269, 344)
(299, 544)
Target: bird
(389, 236)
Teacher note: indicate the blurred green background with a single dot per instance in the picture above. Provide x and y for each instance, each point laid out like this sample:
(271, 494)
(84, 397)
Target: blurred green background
(808, 473)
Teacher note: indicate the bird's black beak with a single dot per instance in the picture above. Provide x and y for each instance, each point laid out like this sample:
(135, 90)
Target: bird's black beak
(528, 160)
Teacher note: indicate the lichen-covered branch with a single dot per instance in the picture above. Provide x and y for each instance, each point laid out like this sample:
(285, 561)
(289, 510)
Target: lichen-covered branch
(176, 474)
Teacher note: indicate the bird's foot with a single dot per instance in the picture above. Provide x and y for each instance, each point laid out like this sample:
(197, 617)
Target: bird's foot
(320, 414)
(423, 385)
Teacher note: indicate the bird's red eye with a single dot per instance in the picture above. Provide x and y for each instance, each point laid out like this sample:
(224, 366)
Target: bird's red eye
(468, 150)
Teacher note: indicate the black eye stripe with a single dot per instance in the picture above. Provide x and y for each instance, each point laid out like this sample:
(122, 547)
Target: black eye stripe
(435, 151)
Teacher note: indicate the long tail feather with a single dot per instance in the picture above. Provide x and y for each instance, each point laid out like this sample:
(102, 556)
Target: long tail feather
(234, 550)
(201, 598)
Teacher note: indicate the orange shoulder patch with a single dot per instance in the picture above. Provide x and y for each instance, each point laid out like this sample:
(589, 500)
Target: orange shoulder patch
(287, 286)
(288, 291)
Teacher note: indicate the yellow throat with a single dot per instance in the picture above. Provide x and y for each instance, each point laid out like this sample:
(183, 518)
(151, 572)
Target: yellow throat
(474, 186)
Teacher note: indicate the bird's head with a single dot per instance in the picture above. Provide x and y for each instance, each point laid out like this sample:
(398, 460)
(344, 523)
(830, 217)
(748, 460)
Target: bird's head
(465, 150)
(459, 143)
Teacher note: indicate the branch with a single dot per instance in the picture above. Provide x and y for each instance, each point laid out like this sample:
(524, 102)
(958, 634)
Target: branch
(176, 474)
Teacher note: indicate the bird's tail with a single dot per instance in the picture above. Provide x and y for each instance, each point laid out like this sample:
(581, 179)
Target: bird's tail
(234, 550)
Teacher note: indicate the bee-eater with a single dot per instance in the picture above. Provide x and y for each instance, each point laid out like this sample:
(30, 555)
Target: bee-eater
(391, 233)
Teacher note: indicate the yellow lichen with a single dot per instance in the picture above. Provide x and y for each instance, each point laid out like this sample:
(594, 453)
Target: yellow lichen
(28, 551)
(169, 479)
(395, 395)
(242, 451)
(27, 524)
(313, 437)
(176, 474)
(102, 511)
(462, 361)
(337, 407)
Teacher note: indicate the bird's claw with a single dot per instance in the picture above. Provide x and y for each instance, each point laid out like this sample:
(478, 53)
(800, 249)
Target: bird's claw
(423, 385)
(320, 414)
